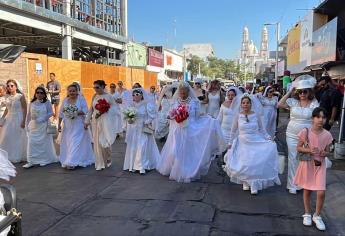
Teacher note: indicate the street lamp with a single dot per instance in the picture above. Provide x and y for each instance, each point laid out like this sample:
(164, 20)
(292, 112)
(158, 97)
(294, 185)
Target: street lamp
(277, 34)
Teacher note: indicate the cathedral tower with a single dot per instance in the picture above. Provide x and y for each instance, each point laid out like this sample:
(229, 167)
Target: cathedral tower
(264, 44)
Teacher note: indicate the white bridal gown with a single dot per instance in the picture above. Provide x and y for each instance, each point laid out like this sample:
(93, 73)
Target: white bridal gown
(162, 127)
(75, 146)
(269, 114)
(252, 159)
(142, 152)
(300, 118)
(213, 104)
(13, 138)
(190, 146)
(7, 170)
(225, 118)
(104, 129)
(41, 150)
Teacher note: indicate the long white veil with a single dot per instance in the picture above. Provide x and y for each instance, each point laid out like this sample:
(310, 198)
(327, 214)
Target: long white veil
(256, 104)
(184, 85)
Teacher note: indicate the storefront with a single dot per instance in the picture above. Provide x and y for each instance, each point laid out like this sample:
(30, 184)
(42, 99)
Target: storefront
(173, 64)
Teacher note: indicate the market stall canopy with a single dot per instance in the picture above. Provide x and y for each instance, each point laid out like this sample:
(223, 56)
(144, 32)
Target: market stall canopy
(164, 78)
(9, 52)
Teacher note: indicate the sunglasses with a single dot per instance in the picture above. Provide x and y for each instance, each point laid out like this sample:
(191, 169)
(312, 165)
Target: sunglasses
(96, 87)
(197, 83)
(302, 91)
(136, 94)
(112, 87)
(39, 92)
(10, 85)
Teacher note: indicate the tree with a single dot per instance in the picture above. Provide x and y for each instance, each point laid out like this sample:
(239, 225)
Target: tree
(194, 63)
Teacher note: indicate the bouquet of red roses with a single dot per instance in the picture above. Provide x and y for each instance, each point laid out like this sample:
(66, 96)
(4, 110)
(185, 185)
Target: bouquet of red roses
(179, 114)
(102, 107)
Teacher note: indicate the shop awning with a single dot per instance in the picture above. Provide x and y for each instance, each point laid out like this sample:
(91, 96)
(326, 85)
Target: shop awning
(323, 66)
(164, 78)
(9, 52)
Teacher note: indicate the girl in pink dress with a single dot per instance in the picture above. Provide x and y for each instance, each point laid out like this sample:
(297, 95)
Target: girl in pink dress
(311, 175)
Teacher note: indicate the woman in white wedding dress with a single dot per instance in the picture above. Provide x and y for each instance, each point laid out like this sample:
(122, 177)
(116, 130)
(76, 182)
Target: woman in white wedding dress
(13, 138)
(252, 159)
(214, 99)
(270, 106)
(105, 127)
(142, 152)
(226, 114)
(164, 105)
(192, 145)
(75, 145)
(41, 150)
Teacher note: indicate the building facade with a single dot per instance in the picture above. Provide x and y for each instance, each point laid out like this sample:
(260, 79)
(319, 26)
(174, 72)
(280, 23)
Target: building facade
(200, 50)
(87, 30)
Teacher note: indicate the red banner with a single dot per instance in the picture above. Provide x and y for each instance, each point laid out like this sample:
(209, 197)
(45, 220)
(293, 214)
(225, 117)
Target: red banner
(156, 58)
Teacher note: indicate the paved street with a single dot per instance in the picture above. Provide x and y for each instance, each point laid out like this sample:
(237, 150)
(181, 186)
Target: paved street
(84, 202)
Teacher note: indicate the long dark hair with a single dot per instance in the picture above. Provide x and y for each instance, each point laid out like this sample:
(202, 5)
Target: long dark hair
(101, 83)
(250, 101)
(44, 93)
(15, 83)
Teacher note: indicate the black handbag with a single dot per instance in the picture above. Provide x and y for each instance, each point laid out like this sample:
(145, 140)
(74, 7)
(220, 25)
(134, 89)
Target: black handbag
(301, 156)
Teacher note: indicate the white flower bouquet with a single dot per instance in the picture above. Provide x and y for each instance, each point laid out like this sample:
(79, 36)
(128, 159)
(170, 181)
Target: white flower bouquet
(130, 114)
(70, 111)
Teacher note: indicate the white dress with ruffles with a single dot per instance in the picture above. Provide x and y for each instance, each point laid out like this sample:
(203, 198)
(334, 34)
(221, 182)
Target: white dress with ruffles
(191, 146)
(252, 159)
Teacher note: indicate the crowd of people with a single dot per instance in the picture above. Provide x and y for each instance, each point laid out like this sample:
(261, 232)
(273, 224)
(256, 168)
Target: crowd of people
(196, 124)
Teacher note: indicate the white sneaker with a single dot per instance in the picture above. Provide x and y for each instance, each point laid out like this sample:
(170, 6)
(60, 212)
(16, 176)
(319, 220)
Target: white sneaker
(319, 223)
(28, 165)
(293, 191)
(253, 192)
(245, 187)
(307, 220)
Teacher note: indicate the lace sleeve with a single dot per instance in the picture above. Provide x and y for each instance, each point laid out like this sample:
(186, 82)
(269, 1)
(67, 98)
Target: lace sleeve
(234, 129)
(83, 105)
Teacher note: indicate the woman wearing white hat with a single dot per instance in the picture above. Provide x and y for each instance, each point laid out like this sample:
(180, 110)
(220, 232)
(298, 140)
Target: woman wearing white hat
(301, 106)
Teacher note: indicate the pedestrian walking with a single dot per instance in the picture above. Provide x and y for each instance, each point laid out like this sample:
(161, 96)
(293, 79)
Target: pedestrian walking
(301, 105)
(252, 158)
(54, 89)
(311, 174)
(103, 115)
(270, 104)
(193, 140)
(75, 145)
(13, 138)
(214, 98)
(41, 150)
(141, 152)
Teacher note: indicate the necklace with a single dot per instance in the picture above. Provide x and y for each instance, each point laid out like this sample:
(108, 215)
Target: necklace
(187, 100)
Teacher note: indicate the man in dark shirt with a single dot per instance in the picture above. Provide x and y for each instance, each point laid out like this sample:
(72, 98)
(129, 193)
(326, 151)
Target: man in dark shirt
(54, 90)
(330, 99)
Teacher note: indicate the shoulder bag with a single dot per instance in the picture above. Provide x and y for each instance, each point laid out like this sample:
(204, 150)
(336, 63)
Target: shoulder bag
(301, 156)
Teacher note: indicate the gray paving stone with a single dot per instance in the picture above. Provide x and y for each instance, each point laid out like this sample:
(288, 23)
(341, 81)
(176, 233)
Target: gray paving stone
(246, 224)
(150, 189)
(193, 211)
(62, 191)
(177, 228)
(157, 210)
(94, 226)
(41, 216)
(110, 207)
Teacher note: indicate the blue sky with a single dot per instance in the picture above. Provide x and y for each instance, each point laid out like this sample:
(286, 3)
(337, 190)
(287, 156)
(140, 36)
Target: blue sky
(219, 22)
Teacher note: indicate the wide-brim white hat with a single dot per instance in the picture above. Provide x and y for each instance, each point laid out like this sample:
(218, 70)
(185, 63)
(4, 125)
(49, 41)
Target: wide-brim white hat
(197, 80)
(304, 82)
